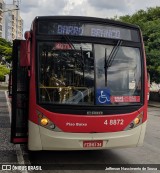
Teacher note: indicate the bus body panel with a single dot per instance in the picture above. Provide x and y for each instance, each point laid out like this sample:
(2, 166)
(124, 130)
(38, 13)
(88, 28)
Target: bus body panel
(88, 124)
(34, 137)
(142, 134)
(74, 141)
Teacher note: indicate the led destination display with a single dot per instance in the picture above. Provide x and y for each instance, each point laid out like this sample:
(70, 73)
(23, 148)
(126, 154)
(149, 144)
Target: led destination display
(87, 29)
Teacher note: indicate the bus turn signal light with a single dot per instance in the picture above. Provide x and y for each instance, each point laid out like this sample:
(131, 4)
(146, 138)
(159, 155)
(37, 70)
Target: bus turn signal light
(137, 120)
(44, 121)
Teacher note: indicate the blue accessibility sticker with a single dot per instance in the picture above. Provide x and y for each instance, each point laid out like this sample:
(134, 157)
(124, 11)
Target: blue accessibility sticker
(103, 96)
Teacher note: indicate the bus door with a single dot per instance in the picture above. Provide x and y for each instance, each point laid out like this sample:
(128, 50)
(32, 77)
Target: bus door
(20, 83)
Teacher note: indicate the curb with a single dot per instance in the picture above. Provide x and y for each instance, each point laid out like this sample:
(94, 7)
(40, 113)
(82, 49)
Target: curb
(153, 105)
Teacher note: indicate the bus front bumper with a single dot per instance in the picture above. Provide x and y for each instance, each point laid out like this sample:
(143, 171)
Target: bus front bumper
(41, 138)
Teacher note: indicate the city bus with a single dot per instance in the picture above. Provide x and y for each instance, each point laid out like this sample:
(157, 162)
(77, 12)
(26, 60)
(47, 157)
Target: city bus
(79, 83)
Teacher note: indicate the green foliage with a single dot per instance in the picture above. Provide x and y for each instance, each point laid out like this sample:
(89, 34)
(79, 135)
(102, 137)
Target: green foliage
(5, 52)
(5, 49)
(3, 71)
(149, 22)
(3, 42)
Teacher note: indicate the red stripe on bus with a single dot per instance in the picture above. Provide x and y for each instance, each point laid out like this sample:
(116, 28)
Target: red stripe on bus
(90, 123)
(19, 140)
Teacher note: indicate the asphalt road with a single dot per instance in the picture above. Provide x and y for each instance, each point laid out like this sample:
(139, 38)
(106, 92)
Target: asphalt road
(81, 161)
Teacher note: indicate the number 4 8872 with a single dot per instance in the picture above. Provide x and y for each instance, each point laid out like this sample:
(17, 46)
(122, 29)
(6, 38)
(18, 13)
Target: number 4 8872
(114, 122)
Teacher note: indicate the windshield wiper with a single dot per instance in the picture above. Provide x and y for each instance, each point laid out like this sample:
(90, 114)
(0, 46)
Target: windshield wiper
(113, 53)
(105, 66)
(69, 42)
(81, 54)
(109, 60)
(73, 47)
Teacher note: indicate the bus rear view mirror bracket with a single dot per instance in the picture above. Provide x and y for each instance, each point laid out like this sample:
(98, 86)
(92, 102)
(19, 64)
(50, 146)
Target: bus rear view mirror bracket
(25, 51)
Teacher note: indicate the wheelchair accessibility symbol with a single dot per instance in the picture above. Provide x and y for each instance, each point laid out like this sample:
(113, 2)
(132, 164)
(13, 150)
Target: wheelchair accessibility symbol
(103, 96)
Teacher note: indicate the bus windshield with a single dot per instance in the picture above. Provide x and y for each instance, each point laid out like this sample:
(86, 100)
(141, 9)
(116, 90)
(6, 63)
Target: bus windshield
(87, 74)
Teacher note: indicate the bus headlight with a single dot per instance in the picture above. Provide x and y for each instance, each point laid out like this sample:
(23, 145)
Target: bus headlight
(44, 121)
(136, 122)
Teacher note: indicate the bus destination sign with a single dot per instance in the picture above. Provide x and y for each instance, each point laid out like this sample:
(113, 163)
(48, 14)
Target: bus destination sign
(87, 29)
(94, 32)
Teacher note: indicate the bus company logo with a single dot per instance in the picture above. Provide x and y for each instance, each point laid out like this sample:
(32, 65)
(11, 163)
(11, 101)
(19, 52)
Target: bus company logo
(95, 113)
(6, 168)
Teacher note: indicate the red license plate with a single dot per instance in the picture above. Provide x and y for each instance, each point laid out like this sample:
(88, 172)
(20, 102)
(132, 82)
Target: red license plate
(90, 144)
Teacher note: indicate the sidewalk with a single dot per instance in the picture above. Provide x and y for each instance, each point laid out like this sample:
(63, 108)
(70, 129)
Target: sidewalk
(154, 104)
(8, 151)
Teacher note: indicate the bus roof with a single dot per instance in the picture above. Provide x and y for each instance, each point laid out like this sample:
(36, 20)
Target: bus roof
(87, 19)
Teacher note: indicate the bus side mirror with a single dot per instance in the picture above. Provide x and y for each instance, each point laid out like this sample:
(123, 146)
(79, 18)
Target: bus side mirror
(25, 51)
(24, 54)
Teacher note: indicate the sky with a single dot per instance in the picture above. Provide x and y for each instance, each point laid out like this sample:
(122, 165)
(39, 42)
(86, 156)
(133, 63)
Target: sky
(29, 9)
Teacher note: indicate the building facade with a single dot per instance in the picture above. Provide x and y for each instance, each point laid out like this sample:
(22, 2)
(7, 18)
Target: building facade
(12, 23)
(1, 17)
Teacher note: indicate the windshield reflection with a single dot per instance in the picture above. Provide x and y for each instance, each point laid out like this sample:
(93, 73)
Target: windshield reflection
(65, 73)
(77, 74)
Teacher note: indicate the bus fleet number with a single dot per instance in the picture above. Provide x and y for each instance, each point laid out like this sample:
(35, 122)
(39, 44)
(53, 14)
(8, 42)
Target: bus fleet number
(114, 122)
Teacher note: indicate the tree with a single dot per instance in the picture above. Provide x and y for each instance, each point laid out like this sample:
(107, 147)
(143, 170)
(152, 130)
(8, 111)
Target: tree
(5, 50)
(3, 72)
(149, 22)
(5, 57)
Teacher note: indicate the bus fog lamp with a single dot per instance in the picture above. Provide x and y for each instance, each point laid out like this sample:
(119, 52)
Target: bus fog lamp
(131, 125)
(52, 126)
(44, 121)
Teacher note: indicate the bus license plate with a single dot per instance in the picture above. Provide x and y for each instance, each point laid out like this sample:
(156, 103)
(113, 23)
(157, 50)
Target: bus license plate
(88, 144)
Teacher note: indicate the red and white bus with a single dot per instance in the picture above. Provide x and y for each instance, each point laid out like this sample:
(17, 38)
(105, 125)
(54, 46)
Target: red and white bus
(79, 83)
